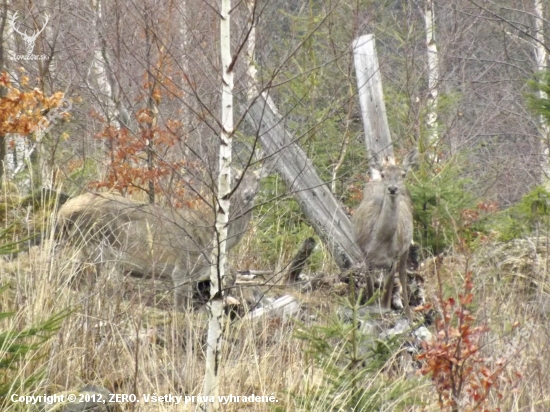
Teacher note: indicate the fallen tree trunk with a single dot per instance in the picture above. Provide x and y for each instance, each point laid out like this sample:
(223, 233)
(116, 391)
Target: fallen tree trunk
(317, 202)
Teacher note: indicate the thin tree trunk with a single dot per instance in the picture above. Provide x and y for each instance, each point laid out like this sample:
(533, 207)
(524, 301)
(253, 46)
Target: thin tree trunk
(186, 116)
(100, 66)
(153, 111)
(15, 160)
(541, 57)
(3, 153)
(433, 78)
(3, 90)
(219, 257)
(105, 76)
(250, 50)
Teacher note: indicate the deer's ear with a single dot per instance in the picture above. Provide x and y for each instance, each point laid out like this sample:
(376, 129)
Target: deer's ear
(258, 174)
(237, 175)
(377, 165)
(376, 162)
(411, 160)
(264, 170)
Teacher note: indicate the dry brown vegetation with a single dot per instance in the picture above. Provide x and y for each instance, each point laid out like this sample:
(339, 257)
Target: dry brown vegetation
(123, 333)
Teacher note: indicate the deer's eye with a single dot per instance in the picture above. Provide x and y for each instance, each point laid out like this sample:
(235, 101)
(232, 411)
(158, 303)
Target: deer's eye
(403, 174)
(382, 175)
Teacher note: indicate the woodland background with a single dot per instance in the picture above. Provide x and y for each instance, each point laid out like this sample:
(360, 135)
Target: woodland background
(144, 80)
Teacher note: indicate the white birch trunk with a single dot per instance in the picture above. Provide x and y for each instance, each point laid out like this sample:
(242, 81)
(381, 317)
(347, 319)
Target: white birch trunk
(186, 116)
(215, 305)
(98, 67)
(433, 78)
(45, 167)
(250, 50)
(104, 76)
(541, 57)
(371, 99)
(17, 156)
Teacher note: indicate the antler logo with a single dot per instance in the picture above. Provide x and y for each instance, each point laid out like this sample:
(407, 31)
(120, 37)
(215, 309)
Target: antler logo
(29, 39)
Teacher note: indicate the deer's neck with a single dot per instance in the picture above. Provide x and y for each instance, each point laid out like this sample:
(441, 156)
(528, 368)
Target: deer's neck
(386, 226)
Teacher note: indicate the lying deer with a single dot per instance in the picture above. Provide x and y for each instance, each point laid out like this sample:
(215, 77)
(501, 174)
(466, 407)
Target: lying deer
(383, 227)
(151, 241)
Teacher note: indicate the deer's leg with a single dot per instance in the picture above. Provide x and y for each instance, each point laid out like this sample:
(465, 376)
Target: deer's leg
(88, 269)
(388, 287)
(403, 279)
(370, 283)
(183, 297)
(183, 290)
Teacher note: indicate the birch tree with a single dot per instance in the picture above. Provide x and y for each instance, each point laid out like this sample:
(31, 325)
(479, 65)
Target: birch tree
(433, 76)
(541, 57)
(219, 257)
(19, 153)
(102, 69)
(3, 90)
(250, 50)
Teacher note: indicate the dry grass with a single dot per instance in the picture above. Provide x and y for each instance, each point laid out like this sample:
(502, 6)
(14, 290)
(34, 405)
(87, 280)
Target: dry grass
(511, 293)
(124, 335)
(118, 341)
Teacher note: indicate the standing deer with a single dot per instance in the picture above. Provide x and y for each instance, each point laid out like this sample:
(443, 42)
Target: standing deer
(383, 227)
(151, 241)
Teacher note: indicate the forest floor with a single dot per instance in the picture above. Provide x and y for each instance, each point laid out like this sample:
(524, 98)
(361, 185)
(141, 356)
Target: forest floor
(123, 335)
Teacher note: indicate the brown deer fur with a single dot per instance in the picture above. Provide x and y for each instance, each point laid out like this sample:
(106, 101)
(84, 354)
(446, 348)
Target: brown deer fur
(148, 240)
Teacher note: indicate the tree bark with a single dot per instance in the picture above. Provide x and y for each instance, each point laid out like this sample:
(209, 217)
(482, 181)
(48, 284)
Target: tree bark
(371, 98)
(153, 109)
(3, 90)
(219, 256)
(433, 77)
(250, 51)
(541, 57)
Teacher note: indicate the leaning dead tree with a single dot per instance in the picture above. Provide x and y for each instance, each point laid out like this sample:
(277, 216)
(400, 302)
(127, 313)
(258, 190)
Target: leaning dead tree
(317, 202)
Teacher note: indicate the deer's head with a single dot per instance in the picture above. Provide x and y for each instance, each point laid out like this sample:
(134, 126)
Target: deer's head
(393, 176)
